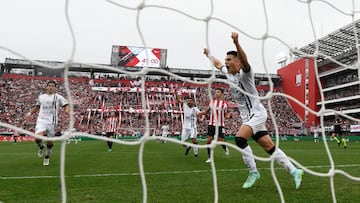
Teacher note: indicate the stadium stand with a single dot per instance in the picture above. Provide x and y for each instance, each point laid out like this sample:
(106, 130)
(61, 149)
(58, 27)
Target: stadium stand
(94, 98)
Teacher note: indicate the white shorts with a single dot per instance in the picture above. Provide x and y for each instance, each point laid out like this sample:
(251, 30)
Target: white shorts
(164, 134)
(49, 129)
(257, 122)
(188, 133)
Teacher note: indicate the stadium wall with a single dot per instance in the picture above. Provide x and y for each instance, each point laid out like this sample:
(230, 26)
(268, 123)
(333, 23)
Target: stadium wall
(299, 81)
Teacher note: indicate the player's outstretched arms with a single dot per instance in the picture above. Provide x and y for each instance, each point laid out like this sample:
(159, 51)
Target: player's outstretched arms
(178, 98)
(217, 63)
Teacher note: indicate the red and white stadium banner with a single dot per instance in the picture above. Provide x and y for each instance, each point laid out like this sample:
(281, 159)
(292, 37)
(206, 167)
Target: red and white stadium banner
(137, 89)
(131, 56)
(18, 138)
(354, 128)
(132, 110)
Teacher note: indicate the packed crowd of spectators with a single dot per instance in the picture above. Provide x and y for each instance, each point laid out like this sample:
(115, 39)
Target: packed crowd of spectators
(343, 92)
(19, 94)
(348, 94)
(341, 78)
(343, 86)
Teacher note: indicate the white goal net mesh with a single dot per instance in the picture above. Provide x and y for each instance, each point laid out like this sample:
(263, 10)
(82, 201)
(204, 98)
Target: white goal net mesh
(202, 15)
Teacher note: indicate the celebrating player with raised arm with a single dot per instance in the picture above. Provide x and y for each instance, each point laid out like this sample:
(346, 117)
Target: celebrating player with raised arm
(252, 112)
(189, 128)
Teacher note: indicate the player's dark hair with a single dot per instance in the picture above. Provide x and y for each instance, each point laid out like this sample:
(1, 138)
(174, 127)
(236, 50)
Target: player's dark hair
(51, 82)
(233, 53)
(220, 89)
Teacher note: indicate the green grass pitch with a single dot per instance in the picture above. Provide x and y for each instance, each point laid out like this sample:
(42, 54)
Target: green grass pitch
(95, 175)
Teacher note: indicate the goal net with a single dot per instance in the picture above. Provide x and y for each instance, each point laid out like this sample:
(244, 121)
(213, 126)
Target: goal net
(196, 25)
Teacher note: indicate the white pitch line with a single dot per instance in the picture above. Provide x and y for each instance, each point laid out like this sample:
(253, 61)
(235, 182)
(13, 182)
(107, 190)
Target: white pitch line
(157, 173)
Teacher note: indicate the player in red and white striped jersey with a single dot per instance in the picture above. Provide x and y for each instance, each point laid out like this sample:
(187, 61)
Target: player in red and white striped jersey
(111, 127)
(218, 109)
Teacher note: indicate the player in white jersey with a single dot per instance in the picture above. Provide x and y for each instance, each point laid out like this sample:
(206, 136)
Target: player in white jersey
(189, 128)
(165, 131)
(218, 109)
(48, 105)
(252, 112)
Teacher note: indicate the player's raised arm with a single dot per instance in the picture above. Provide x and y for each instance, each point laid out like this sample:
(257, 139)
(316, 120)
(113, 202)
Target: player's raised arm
(217, 63)
(245, 66)
(178, 98)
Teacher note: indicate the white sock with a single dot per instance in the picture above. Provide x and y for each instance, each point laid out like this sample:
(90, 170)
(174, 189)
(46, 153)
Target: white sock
(284, 161)
(48, 151)
(196, 150)
(249, 159)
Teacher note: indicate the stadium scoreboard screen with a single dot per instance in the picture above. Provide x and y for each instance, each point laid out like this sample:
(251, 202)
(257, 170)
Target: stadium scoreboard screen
(131, 56)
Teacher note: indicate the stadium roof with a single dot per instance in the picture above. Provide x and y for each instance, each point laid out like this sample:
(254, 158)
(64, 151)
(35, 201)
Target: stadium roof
(339, 45)
(77, 67)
